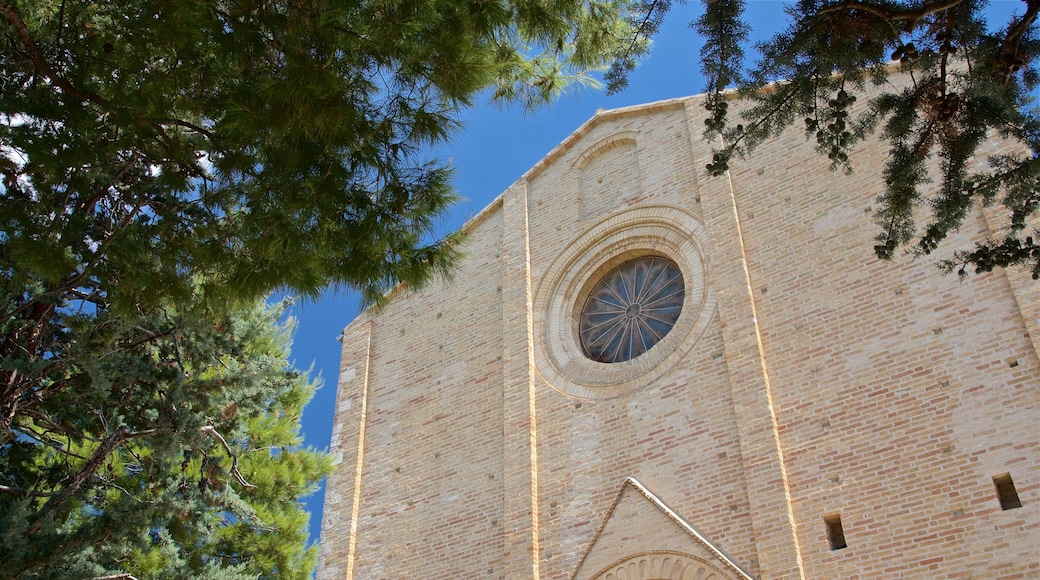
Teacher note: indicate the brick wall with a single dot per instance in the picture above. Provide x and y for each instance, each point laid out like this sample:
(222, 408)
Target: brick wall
(815, 381)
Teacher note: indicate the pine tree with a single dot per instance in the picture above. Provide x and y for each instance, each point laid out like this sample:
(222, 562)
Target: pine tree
(162, 164)
(967, 85)
(152, 146)
(167, 447)
(159, 154)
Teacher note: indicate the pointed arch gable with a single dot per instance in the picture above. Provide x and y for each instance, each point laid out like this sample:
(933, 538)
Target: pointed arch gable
(697, 558)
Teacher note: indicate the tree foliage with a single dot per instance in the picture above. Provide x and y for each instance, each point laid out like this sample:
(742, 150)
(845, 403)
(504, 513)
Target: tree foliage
(968, 84)
(172, 456)
(257, 144)
(157, 152)
(162, 159)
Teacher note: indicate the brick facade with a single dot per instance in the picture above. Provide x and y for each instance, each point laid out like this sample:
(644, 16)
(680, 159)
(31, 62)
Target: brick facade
(804, 380)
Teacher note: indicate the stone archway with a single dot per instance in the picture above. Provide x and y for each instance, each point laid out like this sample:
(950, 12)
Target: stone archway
(661, 565)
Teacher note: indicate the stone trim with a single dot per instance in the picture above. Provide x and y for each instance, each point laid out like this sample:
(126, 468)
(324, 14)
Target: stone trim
(765, 473)
(735, 569)
(604, 145)
(338, 538)
(666, 231)
(600, 117)
(661, 565)
(519, 424)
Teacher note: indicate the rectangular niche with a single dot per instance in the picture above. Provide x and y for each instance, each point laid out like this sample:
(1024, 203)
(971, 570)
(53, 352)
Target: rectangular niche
(1006, 492)
(609, 174)
(835, 532)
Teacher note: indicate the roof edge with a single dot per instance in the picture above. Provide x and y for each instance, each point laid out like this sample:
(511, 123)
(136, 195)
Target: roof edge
(601, 116)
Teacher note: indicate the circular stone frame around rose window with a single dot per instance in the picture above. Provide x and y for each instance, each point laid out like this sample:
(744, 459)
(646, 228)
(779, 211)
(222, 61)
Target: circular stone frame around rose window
(656, 232)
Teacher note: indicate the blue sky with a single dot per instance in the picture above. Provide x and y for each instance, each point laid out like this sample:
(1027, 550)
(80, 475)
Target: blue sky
(495, 149)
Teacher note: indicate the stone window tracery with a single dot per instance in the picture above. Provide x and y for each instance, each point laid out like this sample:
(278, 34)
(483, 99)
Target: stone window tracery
(631, 309)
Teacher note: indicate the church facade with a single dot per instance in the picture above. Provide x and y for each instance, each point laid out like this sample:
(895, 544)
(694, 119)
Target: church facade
(640, 372)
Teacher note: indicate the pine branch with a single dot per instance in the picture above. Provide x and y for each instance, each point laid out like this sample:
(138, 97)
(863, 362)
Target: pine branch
(911, 17)
(41, 65)
(1011, 57)
(1023, 24)
(109, 483)
(93, 298)
(43, 436)
(745, 134)
(133, 345)
(73, 483)
(27, 492)
(38, 318)
(234, 457)
(645, 27)
(187, 125)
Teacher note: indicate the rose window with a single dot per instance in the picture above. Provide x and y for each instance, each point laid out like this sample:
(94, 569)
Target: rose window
(630, 309)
